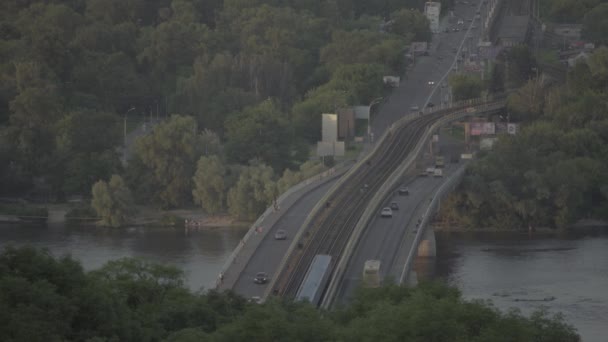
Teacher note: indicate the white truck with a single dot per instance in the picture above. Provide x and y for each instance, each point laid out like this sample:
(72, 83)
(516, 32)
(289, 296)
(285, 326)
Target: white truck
(371, 273)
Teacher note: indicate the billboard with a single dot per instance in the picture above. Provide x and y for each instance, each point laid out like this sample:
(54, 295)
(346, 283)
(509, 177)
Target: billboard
(482, 128)
(329, 127)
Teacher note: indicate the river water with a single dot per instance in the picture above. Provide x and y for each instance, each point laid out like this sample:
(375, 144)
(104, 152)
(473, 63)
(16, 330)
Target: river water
(567, 274)
(200, 254)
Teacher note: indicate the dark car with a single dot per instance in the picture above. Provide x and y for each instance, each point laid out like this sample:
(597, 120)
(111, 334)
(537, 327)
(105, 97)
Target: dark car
(430, 105)
(394, 206)
(261, 278)
(404, 190)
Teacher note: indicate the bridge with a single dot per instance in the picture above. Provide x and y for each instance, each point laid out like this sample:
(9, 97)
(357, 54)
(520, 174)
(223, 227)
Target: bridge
(334, 214)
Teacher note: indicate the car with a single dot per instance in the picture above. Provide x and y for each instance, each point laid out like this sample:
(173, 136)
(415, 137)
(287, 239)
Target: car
(431, 82)
(430, 105)
(255, 300)
(460, 22)
(394, 206)
(261, 278)
(403, 191)
(414, 108)
(280, 235)
(386, 212)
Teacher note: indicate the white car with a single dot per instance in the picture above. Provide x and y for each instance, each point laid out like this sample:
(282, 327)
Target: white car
(386, 212)
(431, 82)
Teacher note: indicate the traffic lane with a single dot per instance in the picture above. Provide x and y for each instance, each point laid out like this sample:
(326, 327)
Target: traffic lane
(382, 234)
(384, 238)
(415, 88)
(270, 252)
(407, 241)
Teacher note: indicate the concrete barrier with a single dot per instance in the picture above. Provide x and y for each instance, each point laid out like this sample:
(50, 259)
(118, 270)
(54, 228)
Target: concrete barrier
(284, 204)
(380, 195)
(447, 187)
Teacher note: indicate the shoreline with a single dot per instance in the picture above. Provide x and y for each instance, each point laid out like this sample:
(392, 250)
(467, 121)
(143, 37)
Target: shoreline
(580, 226)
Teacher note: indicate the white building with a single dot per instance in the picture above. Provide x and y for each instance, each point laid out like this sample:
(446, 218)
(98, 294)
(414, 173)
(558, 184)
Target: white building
(432, 11)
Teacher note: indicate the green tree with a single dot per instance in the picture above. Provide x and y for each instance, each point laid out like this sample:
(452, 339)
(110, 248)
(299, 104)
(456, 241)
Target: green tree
(260, 132)
(171, 153)
(86, 142)
(210, 190)
(595, 25)
(253, 193)
(465, 87)
(526, 103)
(411, 24)
(112, 201)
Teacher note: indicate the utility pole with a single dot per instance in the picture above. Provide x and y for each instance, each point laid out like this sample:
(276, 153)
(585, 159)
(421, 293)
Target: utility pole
(125, 126)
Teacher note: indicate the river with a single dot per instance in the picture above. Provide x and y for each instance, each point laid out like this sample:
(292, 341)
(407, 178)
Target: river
(567, 274)
(200, 254)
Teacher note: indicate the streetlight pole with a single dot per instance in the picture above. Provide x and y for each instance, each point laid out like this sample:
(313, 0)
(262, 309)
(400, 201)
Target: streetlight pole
(371, 105)
(125, 126)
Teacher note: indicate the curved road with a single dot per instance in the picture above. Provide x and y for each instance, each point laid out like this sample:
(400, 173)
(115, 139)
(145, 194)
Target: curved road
(270, 251)
(414, 90)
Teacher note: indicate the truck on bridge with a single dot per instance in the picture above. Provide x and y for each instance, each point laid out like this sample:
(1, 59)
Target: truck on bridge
(371, 273)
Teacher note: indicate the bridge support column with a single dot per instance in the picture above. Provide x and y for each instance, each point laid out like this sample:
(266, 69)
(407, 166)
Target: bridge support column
(427, 246)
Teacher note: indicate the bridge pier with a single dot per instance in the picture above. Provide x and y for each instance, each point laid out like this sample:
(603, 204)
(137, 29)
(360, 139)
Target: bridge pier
(427, 246)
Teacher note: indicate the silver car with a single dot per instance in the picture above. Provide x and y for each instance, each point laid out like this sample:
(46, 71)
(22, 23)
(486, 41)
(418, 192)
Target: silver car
(386, 212)
(280, 235)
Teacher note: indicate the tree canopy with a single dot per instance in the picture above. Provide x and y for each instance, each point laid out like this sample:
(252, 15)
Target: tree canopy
(555, 170)
(48, 298)
(72, 70)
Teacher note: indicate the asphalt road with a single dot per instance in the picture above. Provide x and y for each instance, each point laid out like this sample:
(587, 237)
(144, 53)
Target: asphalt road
(270, 251)
(383, 236)
(414, 90)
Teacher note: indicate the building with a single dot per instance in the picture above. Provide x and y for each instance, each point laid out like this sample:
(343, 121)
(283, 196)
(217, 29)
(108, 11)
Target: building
(432, 10)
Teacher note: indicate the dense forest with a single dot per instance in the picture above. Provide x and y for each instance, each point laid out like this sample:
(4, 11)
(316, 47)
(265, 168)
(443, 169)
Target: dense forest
(52, 299)
(241, 80)
(555, 170)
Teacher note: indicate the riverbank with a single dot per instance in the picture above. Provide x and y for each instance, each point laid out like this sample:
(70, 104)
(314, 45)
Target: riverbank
(581, 225)
(146, 216)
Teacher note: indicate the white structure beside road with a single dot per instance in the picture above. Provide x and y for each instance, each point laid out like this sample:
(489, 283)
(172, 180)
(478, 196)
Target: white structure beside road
(432, 10)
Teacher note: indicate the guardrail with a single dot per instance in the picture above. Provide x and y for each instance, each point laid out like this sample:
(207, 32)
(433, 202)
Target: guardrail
(320, 204)
(380, 195)
(447, 187)
(465, 106)
(336, 170)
